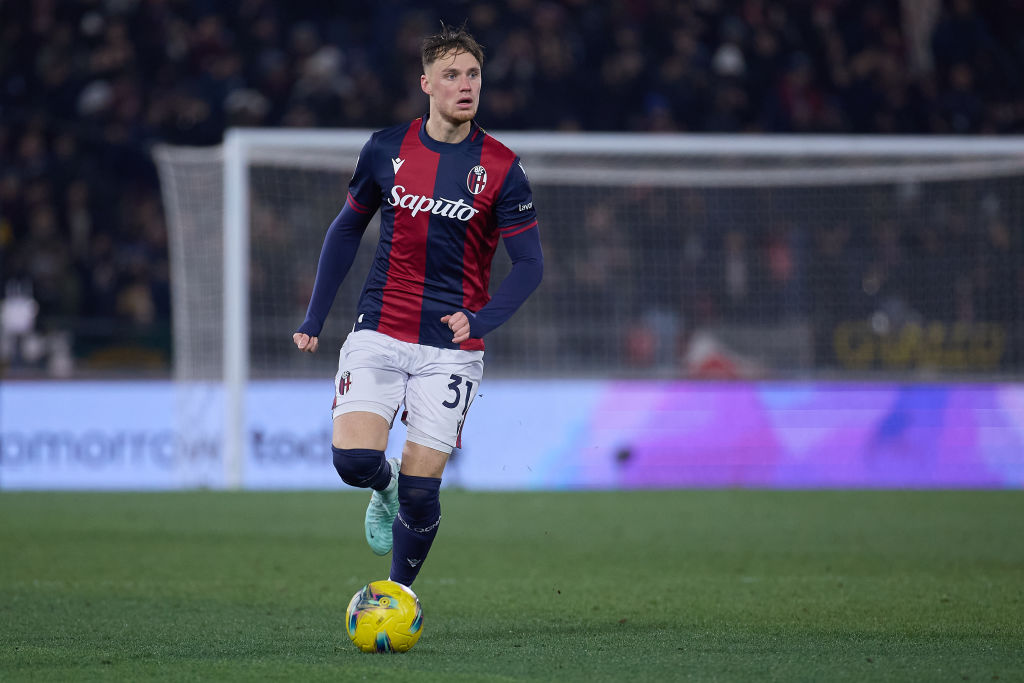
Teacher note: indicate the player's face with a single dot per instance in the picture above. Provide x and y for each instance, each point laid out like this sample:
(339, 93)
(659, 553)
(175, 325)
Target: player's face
(453, 83)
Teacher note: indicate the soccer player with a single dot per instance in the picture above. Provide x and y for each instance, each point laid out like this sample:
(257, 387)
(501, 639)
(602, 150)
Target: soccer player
(447, 193)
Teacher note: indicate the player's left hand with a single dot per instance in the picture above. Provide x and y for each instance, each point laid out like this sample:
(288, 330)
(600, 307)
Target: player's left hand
(458, 323)
(306, 343)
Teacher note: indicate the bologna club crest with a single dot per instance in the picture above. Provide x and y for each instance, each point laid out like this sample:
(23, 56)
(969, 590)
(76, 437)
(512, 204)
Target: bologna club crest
(477, 179)
(344, 382)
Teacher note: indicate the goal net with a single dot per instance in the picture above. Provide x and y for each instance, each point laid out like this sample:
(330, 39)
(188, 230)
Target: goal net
(781, 256)
(665, 256)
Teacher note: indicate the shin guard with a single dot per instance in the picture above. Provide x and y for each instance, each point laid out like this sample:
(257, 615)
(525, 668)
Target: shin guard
(419, 514)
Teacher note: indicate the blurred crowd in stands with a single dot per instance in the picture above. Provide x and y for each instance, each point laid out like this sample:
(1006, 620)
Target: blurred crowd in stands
(908, 277)
(88, 86)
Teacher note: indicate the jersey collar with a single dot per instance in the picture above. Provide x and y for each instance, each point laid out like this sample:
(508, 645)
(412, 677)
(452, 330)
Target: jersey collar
(475, 132)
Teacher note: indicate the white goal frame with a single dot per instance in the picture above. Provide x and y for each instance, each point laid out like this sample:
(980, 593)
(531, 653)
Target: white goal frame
(244, 147)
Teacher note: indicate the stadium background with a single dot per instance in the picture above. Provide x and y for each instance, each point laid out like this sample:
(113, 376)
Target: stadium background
(90, 87)
(750, 579)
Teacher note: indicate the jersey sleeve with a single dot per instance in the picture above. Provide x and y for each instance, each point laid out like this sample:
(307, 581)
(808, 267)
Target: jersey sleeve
(342, 242)
(517, 224)
(363, 190)
(514, 211)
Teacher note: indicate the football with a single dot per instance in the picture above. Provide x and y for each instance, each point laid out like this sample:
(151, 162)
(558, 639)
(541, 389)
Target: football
(384, 616)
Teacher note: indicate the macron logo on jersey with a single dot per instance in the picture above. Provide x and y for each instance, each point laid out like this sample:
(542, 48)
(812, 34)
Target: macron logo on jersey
(459, 210)
(397, 163)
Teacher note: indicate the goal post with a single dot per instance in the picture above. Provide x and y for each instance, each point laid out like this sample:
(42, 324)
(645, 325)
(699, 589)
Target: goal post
(236, 301)
(667, 256)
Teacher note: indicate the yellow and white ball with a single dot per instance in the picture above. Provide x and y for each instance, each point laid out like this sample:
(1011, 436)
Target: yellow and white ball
(384, 616)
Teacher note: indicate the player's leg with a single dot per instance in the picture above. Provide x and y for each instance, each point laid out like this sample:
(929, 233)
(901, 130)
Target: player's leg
(358, 443)
(368, 391)
(437, 404)
(419, 511)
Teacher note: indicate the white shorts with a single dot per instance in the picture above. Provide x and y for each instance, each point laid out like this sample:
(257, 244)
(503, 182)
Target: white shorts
(377, 374)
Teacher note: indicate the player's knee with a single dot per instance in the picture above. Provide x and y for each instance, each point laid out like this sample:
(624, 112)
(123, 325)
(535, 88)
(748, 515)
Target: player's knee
(419, 502)
(358, 466)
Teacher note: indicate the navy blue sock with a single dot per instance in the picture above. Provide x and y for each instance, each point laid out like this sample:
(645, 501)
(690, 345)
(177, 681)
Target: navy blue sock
(419, 514)
(362, 467)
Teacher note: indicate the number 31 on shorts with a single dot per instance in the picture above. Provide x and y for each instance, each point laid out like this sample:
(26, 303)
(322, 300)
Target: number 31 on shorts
(458, 391)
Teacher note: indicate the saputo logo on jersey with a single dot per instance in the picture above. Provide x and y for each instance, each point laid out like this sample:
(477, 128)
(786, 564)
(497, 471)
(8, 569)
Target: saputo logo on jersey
(417, 203)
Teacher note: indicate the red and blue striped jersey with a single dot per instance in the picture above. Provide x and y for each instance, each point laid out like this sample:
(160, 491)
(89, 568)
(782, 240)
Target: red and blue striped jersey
(443, 208)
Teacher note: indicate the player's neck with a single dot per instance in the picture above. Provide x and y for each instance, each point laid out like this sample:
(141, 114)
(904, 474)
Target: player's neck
(447, 131)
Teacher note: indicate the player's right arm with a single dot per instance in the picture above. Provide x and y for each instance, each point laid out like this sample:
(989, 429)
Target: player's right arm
(339, 250)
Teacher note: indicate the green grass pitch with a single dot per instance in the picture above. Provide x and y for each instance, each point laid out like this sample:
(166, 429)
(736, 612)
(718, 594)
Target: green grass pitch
(727, 585)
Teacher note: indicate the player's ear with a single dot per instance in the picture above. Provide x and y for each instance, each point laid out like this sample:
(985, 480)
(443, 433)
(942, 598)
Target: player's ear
(425, 84)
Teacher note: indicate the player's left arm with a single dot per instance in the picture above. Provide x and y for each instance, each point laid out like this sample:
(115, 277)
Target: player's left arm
(527, 270)
(517, 224)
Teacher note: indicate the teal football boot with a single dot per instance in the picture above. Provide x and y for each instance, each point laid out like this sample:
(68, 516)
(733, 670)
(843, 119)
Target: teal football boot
(381, 512)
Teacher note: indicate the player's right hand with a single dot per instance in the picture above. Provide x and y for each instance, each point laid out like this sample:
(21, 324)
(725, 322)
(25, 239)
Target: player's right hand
(306, 343)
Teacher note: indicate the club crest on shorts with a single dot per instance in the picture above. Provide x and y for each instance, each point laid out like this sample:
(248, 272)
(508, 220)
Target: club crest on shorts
(477, 179)
(344, 382)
